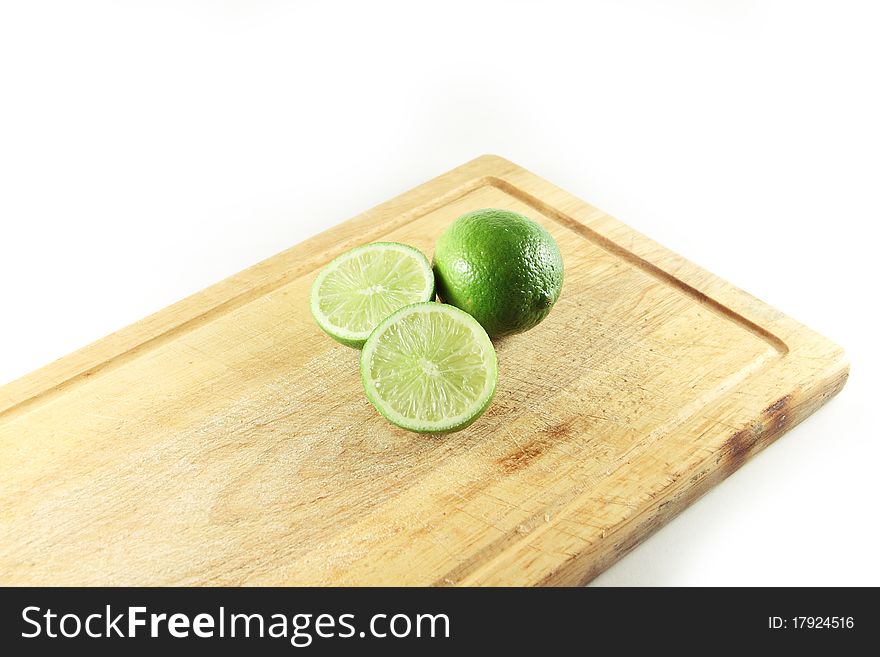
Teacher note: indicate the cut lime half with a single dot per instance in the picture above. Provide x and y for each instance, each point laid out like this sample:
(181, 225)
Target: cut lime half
(429, 367)
(360, 288)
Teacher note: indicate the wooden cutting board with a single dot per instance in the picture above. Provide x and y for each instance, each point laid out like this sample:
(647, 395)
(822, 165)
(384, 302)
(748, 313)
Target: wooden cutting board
(226, 440)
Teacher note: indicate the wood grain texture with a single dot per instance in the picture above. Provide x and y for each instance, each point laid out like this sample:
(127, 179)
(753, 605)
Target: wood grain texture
(226, 440)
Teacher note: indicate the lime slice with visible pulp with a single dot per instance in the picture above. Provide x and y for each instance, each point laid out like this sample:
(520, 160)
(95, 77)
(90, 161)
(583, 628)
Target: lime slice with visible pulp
(360, 288)
(429, 367)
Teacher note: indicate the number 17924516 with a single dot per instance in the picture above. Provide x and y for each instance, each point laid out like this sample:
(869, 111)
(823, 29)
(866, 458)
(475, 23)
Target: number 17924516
(811, 623)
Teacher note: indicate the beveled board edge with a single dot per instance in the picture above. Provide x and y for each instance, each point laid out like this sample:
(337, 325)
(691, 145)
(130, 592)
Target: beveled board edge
(242, 287)
(809, 371)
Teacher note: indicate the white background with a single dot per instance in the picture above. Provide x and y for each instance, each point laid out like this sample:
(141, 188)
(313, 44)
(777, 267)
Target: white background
(149, 149)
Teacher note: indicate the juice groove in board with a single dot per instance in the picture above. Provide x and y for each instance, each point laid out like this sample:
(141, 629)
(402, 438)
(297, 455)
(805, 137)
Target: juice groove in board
(226, 440)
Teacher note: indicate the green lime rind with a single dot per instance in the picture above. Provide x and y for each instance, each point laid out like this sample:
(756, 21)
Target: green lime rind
(501, 267)
(458, 352)
(355, 331)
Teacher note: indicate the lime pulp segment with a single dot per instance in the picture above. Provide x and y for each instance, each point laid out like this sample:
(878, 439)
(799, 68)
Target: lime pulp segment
(429, 367)
(360, 288)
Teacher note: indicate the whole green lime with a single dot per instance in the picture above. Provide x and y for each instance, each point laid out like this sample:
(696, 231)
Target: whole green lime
(500, 267)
